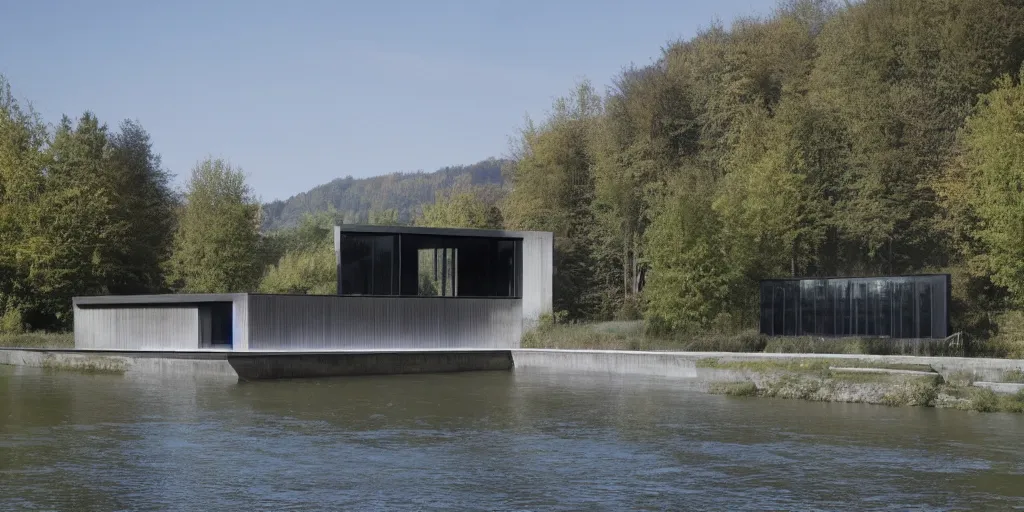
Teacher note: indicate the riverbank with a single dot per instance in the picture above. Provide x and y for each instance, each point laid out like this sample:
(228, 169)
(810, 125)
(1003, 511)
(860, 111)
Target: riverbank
(894, 385)
(979, 384)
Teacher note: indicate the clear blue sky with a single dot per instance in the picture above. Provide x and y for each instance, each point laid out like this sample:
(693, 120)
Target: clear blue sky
(299, 93)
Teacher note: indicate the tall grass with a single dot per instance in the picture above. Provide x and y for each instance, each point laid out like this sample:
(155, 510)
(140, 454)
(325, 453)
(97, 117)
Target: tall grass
(38, 340)
(632, 336)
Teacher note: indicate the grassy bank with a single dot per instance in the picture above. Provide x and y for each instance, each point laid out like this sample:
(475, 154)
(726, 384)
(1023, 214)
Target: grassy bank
(631, 336)
(828, 380)
(38, 340)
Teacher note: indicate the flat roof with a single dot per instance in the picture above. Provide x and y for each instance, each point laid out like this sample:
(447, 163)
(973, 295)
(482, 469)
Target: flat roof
(200, 298)
(166, 298)
(835, 278)
(459, 232)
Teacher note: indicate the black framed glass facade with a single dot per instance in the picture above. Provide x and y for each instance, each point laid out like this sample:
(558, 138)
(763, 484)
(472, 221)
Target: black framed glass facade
(428, 265)
(367, 265)
(889, 307)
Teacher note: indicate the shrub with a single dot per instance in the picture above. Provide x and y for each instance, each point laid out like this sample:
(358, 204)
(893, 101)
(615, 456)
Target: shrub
(11, 322)
(1009, 338)
(744, 388)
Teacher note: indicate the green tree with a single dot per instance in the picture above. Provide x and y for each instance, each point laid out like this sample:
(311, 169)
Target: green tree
(770, 217)
(78, 238)
(901, 77)
(310, 271)
(552, 189)
(648, 128)
(464, 207)
(987, 190)
(385, 217)
(304, 261)
(693, 277)
(23, 138)
(146, 204)
(217, 245)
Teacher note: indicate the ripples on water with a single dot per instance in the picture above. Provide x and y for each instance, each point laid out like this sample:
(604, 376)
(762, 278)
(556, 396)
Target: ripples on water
(483, 441)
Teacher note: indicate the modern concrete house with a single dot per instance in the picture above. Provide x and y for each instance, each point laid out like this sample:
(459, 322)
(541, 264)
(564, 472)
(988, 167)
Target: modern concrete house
(399, 288)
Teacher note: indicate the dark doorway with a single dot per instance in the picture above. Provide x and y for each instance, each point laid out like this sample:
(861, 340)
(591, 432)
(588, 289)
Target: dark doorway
(216, 324)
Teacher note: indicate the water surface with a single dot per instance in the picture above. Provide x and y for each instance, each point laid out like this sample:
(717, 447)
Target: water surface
(483, 441)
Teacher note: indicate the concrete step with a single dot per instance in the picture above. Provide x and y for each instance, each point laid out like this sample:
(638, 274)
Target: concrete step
(887, 371)
(1001, 387)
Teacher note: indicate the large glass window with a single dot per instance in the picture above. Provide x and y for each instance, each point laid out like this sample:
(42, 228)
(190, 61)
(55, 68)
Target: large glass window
(767, 310)
(907, 310)
(807, 307)
(862, 309)
(791, 308)
(437, 269)
(778, 309)
(845, 309)
(830, 309)
(367, 265)
(429, 265)
(924, 308)
(884, 308)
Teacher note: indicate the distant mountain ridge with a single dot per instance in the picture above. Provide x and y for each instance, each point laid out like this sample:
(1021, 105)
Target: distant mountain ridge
(405, 192)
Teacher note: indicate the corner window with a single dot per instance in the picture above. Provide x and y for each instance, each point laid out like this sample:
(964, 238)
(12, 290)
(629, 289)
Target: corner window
(367, 265)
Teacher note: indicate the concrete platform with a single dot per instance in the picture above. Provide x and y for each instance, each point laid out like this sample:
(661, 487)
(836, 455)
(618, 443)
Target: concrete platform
(261, 365)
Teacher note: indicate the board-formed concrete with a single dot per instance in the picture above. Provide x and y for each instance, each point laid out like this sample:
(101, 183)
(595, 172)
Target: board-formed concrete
(166, 364)
(286, 366)
(684, 364)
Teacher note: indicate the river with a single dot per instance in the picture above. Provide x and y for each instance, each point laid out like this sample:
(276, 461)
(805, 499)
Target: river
(483, 441)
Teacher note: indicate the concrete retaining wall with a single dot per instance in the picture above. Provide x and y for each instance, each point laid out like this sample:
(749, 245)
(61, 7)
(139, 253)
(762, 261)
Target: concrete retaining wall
(680, 365)
(684, 364)
(261, 366)
(112, 362)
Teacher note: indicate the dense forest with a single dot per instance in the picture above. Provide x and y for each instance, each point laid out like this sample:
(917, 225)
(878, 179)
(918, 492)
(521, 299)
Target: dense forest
(405, 193)
(876, 137)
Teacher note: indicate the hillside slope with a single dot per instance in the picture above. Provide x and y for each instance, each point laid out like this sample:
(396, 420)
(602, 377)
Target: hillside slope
(355, 198)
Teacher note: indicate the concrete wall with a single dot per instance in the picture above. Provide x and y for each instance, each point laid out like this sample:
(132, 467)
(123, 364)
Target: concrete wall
(129, 365)
(538, 268)
(311, 322)
(240, 327)
(679, 365)
(260, 366)
(285, 366)
(684, 364)
(137, 327)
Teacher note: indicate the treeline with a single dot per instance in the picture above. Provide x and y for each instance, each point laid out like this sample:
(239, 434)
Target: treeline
(880, 137)
(89, 210)
(83, 209)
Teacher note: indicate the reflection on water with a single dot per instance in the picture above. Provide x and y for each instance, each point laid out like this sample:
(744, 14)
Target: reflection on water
(483, 441)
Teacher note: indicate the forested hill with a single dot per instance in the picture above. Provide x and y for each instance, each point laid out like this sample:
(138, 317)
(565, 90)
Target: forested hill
(355, 198)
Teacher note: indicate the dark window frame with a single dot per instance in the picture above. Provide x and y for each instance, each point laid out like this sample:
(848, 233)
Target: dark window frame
(413, 242)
